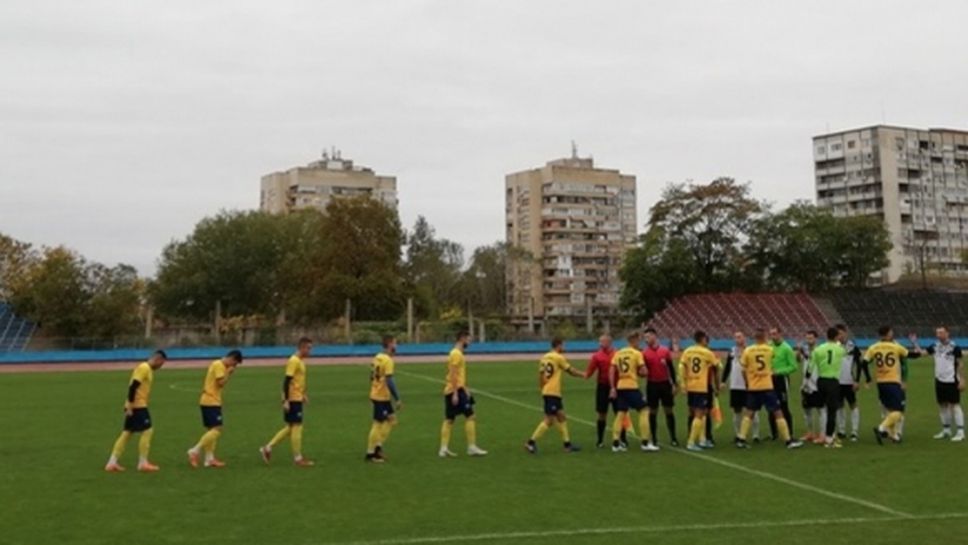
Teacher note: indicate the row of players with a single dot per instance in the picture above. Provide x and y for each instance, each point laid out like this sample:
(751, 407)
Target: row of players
(757, 376)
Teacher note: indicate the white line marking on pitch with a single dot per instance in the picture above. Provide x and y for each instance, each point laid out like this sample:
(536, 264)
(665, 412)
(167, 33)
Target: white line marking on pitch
(706, 458)
(495, 536)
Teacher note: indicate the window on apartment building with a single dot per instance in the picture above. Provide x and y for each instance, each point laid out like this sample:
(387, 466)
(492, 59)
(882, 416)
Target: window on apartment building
(851, 144)
(836, 147)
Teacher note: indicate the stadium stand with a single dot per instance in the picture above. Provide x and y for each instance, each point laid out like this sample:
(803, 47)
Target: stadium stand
(15, 332)
(721, 314)
(908, 311)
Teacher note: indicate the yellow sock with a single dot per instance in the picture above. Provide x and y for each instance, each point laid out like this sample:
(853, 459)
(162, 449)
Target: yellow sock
(119, 445)
(295, 437)
(783, 429)
(890, 421)
(445, 430)
(563, 429)
(374, 438)
(278, 437)
(617, 425)
(385, 430)
(470, 429)
(645, 430)
(696, 431)
(744, 427)
(144, 445)
(539, 431)
(207, 442)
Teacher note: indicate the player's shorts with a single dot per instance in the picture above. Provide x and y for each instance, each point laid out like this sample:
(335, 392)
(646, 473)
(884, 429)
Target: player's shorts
(780, 388)
(602, 401)
(737, 399)
(629, 400)
(847, 394)
(382, 410)
(763, 398)
(140, 420)
(211, 416)
(947, 393)
(698, 400)
(659, 393)
(812, 400)
(295, 413)
(465, 405)
(892, 396)
(553, 404)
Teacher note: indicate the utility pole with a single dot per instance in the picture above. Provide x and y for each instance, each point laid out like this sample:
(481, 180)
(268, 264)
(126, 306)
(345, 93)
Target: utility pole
(349, 308)
(410, 319)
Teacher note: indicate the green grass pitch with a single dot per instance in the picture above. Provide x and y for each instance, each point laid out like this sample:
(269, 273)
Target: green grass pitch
(58, 429)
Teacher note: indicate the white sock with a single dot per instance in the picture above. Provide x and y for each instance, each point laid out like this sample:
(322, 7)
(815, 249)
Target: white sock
(945, 414)
(756, 426)
(112, 460)
(855, 420)
(841, 421)
(899, 428)
(959, 417)
(195, 450)
(807, 419)
(209, 456)
(823, 421)
(142, 460)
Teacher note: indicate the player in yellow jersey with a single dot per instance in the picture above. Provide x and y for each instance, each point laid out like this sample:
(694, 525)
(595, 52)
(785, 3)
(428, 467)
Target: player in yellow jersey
(136, 416)
(216, 378)
(458, 400)
(890, 370)
(550, 369)
(293, 398)
(382, 389)
(757, 362)
(697, 372)
(628, 365)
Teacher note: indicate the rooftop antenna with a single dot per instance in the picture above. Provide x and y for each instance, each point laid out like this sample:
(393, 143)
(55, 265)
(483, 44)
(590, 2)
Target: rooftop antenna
(325, 155)
(574, 150)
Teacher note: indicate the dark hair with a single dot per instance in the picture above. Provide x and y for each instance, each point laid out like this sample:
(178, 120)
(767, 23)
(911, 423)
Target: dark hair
(759, 333)
(832, 333)
(812, 332)
(884, 330)
(556, 342)
(303, 341)
(633, 336)
(235, 355)
(777, 329)
(387, 339)
(840, 327)
(699, 335)
(651, 330)
(463, 333)
(161, 353)
(944, 327)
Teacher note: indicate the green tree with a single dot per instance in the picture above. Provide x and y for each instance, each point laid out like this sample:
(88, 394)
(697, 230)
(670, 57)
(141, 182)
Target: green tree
(433, 269)
(657, 270)
(15, 256)
(863, 243)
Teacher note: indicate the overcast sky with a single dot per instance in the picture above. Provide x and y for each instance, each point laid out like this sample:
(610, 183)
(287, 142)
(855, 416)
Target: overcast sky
(123, 123)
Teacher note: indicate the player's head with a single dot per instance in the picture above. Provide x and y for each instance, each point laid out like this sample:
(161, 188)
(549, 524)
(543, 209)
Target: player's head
(233, 358)
(776, 334)
(634, 339)
(700, 338)
(811, 336)
(558, 344)
(841, 332)
(304, 347)
(885, 332)
(389, 344)
(605, 341)
(157, 359)
(942, 333)
(760, 335)
(833, 333)
(463, 338)
(739, 338)
(651, 337)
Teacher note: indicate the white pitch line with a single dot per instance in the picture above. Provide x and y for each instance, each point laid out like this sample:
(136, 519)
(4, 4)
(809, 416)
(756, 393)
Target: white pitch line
(496, 536)
(706, 458)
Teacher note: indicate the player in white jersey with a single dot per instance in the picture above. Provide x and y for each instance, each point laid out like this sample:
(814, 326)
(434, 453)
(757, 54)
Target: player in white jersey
(812, 400)
(948, 382)
(851, 369)
(734, 379)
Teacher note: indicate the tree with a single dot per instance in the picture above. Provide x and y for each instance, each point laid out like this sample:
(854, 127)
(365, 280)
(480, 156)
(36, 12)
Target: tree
(433, 269)
(863, 243)
(15, 256)
(485, 282)
(657, 270)
(712, 221)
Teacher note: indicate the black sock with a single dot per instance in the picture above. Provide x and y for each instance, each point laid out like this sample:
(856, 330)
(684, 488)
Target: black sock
(601, 430)
(653, 427)
(623, 437)
(671, 424)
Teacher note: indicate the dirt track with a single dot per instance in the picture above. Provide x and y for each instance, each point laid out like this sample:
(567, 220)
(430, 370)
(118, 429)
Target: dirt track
(266, 362)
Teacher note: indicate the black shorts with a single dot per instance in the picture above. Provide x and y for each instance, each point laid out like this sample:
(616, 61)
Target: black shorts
(947, 393)
(698, 400)
(465, 405)
(812, 400)
(602, 401)
(780, 387)
(140, 420)
(892, 396)
(629, 400)
(763, 398)
(382, 410)
(553, 404)
(737, 400)
(848, 395)
(211, 416)
(295, 413)
(659, 392)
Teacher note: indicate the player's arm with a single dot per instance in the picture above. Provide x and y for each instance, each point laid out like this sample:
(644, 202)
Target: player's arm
(727, 368)
(612, 380)
(572, 371)
(129, 400)
(392, 386)
(671, 365)
(904, 371)
(590, 370)
(452, 381)
(714, 373)
(682, 373)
